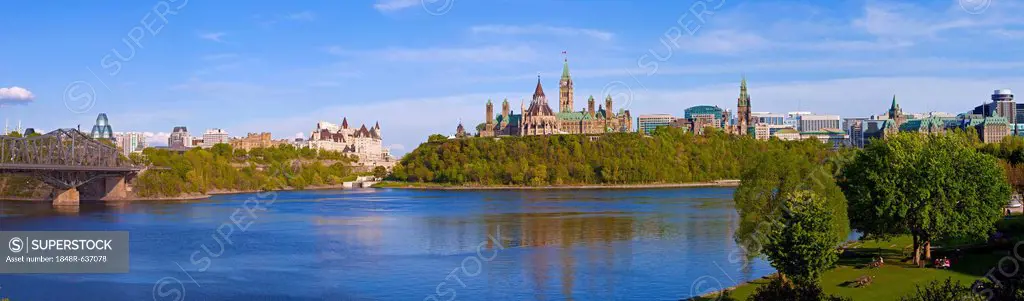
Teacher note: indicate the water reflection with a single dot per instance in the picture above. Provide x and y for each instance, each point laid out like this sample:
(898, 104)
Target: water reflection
(402, 244)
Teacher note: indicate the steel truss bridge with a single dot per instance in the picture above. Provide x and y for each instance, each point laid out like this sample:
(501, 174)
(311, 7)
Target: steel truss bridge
(64, 159)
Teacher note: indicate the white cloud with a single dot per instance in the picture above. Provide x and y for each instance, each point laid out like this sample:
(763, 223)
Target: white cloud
(520, 53)
(541, 29)
(395, 5)
(213, 36)
(156, 139)
(15, 95)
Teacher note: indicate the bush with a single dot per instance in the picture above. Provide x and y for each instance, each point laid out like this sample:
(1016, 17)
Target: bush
(782, 290)
(943, 291)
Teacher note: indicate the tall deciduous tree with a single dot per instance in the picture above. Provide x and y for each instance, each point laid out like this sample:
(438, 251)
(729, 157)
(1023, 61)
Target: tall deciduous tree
(774, 175)
(930, 186)
(801, 244)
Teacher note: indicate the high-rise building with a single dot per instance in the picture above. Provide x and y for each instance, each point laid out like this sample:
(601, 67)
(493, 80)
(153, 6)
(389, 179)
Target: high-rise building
(179, 138)
(213, 137)
(1005, 106)
(647, 123)
(130, 142)
(855, 128)
(102, 128)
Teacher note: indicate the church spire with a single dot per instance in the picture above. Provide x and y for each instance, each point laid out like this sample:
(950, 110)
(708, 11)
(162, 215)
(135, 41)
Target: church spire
(894, 106)
(565, 67)
(540, 90)
(344, 122)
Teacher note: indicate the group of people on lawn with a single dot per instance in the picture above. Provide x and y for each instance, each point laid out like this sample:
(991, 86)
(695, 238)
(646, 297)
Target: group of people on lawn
(940, 263)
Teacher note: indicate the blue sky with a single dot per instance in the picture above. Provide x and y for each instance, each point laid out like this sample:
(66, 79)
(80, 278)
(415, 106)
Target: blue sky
(420, 66)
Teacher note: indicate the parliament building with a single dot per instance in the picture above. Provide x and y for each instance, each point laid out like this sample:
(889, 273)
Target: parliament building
(540, 119)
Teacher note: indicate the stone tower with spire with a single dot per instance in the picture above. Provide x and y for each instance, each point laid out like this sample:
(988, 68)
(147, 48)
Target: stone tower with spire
(896, 113)
(743, 119)
(489, 118)
(565, 95)
(590, 106)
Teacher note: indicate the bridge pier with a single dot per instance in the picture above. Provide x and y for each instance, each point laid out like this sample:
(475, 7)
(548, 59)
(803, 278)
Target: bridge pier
(102, 189)
(67, 197)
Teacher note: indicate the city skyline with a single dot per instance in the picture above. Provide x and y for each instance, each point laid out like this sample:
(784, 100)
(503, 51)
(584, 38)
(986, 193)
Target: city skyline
(282, 66)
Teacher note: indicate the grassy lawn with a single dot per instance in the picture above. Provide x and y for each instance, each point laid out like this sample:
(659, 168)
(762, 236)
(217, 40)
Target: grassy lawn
(899, 276)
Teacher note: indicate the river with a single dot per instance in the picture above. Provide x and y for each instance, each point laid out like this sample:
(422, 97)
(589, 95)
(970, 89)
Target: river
(394, 244)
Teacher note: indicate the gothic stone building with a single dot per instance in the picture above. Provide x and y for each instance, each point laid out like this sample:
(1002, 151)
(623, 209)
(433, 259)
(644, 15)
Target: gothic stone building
(539, 119)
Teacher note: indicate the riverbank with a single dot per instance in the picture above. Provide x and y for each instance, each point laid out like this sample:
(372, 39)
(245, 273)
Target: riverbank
(318, 187)
(184, 197)
(436, 186)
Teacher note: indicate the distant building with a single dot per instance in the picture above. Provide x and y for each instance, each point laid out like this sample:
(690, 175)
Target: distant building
(812, 123)
(460, 132)
(102, 128)
(989, 128)
(764, 131)
(697, 118)
(179, 138)
(743, 118)
(254, 140)
(647, 123)
(540, 119)
(768, 118)
(787, 134)
(836, 137)
(130, 142)
(854, 127)
(364, 143)
(213, 137)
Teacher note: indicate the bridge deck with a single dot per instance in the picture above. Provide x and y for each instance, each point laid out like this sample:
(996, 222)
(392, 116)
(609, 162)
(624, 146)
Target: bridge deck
(8, 167)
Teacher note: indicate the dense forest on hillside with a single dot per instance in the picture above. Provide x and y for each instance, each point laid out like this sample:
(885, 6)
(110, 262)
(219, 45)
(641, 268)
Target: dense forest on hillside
(223, 168)
(668, 156)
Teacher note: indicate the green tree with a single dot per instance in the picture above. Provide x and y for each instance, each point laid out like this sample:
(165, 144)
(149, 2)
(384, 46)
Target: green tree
(945, 291)
(14, 134)
(772, 177)
(801, 244)
(380, 172)
(779, 289)
(437, 138)
(930, 186)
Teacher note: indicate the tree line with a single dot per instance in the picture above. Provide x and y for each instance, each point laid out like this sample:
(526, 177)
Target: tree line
(224, 168)
(667, 156)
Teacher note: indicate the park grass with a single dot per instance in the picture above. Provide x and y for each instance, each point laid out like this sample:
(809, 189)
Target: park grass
(899, 277)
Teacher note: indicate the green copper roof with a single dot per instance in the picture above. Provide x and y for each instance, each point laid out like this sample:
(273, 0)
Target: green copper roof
(894, 106)
(488, 101)
(565, 69)
(573, 116)
(512, 118)
(996, 120)
(925, 123)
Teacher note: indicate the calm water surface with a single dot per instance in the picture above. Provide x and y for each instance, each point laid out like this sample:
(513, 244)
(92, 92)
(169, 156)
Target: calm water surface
(658, 244)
